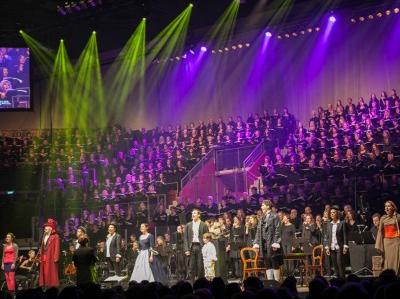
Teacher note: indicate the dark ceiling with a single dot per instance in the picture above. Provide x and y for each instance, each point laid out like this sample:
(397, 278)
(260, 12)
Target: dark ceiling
(115, 20)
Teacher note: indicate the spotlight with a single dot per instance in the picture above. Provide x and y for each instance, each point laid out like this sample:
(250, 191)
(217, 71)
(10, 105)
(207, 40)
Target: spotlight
(203, 49)
(234, 47)
(177, 58)
(353, 20)
(20, 31)
(388, 12)
(184, 56)
(191, 52)
(61, 10)
(220, 51)
(279, 37)
(268, 34)
(309, 30)
(396, 10)
(61, 40)
(82, 4)
(144, 19)
(294, 34)
(332, 19)
(247, 45)
(240, 46)
(213, 51)
(94, 32)
(226, 49)
(371, 17)
(362, 19)
(379, 15)
(317, 29)
(75, 6)
(302, 32)
(191, 5)
(287, 35)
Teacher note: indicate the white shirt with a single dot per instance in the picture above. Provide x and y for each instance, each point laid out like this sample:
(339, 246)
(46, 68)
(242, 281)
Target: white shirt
(334, 243)
(108, 243)
(196, 228)
(46, 237)
(209, 253)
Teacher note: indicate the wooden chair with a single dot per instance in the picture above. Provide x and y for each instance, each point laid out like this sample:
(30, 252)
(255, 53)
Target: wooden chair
(317, 260)
(250, 260)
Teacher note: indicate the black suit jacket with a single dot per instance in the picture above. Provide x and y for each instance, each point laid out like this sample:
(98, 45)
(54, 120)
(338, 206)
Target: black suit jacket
(341, 235)
(84, 258)
(115, 246)
(188, 234)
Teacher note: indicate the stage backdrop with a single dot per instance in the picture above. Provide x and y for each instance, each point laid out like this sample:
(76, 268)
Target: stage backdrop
(301, 73)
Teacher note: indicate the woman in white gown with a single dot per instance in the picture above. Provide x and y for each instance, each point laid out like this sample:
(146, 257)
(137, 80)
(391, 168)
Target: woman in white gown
(142, 270)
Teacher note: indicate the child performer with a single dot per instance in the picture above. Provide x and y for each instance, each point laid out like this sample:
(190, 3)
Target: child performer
(209, 256)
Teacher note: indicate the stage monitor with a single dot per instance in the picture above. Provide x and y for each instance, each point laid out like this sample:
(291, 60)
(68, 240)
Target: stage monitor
(15, 85)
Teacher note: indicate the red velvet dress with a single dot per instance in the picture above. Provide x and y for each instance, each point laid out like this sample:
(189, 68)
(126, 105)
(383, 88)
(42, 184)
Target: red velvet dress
(49, 256)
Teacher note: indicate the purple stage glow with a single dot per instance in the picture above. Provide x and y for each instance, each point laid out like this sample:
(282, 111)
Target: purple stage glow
(203, 49)
(332, 19)
(268, 34)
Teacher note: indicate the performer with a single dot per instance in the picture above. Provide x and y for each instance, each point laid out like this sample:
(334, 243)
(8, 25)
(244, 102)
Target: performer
(132, 254)
(81, 231)
(288, 235)
(235, 244)
(160, 264)
(388, 237)
(336, 245)
(180, 257)
(49, 255)
(8, 263)
(193, 242)
(84, 259)
(268, 239)
(113, 249)
(142, 270)
(30, 266)
(209, 256)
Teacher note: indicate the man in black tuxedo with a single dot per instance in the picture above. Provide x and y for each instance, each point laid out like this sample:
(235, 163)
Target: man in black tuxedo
(113, 249)
(336, 245)
(193, 242)
(84, 258)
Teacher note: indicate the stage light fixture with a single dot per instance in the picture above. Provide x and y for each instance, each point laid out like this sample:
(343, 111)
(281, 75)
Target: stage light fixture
(191, 5)
(234, 47)
(362, 19)
(388, 12)
(213, 51)
(379, 15)
(220, 51)
(203, 49)
(20, 31)
(61, 40)
(93, 32)
(83, 4)
(279, 37)
(353, 20)
(309, 30)
(268, 34)
(75, 6)
(61, 10)
(332, 19)
(287, 35)
(226, 49)
(191, 52)
(247, 45)
(294, 34)
(396, 10)
(184, 56)
(371, 17)
(240, 46)
(144, 19)
(177, 58)
(317, 29)
(302, 32)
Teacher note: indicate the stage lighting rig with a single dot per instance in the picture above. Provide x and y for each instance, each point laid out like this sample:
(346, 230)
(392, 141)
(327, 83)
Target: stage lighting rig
(70, 7)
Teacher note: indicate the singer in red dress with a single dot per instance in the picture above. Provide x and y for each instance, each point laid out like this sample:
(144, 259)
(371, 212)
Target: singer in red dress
(49, 255)
(8, 263)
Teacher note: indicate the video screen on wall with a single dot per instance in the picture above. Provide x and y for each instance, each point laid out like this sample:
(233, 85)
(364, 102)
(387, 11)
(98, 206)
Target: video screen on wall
(15, 88)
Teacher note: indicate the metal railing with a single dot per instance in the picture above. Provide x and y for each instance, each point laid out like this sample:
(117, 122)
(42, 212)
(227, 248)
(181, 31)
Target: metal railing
(197, 168)
(254, 155)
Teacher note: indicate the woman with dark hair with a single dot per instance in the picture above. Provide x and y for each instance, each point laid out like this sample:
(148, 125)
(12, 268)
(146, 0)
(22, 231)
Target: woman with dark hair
(142, 270)
(388, 238)
(84, 259)
(8, 263)
(161, 255)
